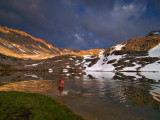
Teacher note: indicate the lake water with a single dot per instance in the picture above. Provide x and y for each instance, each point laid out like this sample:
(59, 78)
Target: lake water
(95, 95)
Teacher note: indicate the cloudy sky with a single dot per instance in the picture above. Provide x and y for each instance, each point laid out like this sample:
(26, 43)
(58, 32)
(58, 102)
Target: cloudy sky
(82, 24)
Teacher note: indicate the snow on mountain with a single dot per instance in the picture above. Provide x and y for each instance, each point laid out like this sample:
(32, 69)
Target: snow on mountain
(155, 52)
(102, 64)
(119, 46)
(138, 54)
(154, 33)
(152, 67)
(22, 45)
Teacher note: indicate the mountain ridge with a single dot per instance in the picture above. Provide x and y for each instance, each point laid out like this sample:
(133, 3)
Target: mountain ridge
(19, 44)
(137, 54)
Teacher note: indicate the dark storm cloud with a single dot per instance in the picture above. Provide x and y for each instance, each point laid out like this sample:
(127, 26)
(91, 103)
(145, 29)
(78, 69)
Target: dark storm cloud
(96, 4)
(82, 24)
(6, 17)
(122, 22)
(31, 12)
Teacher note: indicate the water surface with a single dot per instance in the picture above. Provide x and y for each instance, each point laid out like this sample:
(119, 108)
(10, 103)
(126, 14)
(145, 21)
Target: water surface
(95, 95)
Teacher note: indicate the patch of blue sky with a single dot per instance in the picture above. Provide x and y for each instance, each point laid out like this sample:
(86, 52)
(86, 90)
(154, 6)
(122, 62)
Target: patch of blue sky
(81, 9)
(151, 11)
(90, 34)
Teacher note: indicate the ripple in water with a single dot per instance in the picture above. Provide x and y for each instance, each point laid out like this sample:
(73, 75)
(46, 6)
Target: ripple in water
(97, 95)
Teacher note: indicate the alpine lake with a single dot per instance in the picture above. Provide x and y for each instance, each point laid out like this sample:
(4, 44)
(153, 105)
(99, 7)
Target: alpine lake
(94, 95)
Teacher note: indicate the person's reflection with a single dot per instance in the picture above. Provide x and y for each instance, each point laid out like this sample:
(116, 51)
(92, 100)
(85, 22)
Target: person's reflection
(60, 86)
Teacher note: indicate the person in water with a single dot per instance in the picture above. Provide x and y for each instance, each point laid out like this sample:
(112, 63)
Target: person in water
(60, 86)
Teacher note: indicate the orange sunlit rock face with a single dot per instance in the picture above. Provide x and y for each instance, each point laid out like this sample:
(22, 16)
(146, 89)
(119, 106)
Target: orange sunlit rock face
(19, 44)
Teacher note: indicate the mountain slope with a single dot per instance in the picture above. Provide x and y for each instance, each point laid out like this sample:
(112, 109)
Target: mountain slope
(138, 54)
(19, 44)
(21, 51)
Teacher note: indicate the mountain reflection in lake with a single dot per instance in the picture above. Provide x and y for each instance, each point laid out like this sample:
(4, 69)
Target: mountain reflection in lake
(95, 95)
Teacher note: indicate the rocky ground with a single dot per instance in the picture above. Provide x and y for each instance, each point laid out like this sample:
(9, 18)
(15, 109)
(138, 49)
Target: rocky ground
(21, 51)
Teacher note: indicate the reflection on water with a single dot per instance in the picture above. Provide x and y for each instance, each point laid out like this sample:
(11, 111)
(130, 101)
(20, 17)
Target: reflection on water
(95, 95)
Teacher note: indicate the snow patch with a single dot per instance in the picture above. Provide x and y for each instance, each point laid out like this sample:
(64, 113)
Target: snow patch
(22, 50)
(39, 46)
(87, 56)
(58, 61)
(155, 52)
(119, 46)
(65, 70)
(134, 68)
(70, 58)
(127, 61)
(156, 33)
(77, 77)
(30, 51)
(5, 44)
(68, 66)
(151, 67)
(132, 74)
(34, 76)
(31, 65)
(68, 74)
(77, 61)
(77, 64)
(10, 46)
(102, 64)
(50, 70)
(74, 56)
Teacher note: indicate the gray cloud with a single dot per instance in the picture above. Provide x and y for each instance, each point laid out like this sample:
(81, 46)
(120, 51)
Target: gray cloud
(96, 4)
(67, 23)
(10, 18)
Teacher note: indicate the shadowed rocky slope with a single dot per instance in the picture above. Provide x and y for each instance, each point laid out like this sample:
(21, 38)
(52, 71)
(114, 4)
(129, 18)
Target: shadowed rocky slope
(22, 45)
(138, 54)
(21, 51)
